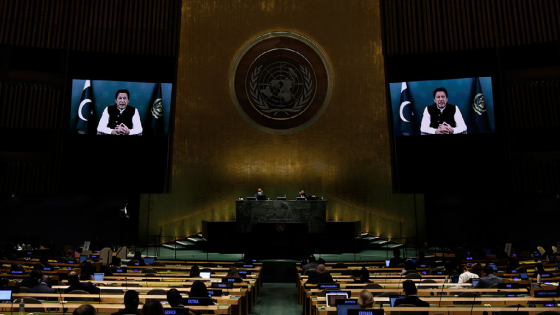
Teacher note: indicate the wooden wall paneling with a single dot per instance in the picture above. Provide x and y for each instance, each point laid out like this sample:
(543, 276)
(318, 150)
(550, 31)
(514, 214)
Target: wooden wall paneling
(453, 23)
(148, 41)
(393, 35)
(156, 49)
(535, 26)
(135, 33)
(411, 27)
(4, 13)
(12, 21)
(428, 29)
(446, 23)
(421, 25)
(488, 30)
(540, 17)
(127, 29)
(493, 23)
(169, 38)
(555, 18)
(439, 25)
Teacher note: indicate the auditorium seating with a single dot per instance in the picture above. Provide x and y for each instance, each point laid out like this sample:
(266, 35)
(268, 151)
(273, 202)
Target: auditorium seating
(239, 299)
(442, 296)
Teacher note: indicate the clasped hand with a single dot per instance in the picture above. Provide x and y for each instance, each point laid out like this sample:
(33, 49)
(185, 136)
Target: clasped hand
(121, 129)
(444, 128)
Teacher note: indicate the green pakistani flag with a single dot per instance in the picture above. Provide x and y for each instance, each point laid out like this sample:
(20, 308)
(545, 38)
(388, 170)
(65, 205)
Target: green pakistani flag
(407, 120)
(156, 112)
(478, 109)
(85, 111)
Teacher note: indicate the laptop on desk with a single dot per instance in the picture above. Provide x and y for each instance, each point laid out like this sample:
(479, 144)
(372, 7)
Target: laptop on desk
(475, 282)
(5, 295)
(394, 298)
(332, 297)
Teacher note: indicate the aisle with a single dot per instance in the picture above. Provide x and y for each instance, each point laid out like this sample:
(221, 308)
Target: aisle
(278, 299)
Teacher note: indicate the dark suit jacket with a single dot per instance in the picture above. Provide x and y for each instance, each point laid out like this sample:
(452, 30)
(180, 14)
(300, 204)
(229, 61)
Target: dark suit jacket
(41, 288)
(395, 261)
(320, 278)
(414, 300)
(86, 286)
(488, 281)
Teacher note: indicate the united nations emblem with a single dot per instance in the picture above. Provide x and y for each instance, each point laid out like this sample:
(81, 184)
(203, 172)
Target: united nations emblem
(281, 82)
(157, 108)
(479, 105)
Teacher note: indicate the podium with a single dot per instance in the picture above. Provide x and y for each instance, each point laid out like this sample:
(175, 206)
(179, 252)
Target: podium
(310, 212)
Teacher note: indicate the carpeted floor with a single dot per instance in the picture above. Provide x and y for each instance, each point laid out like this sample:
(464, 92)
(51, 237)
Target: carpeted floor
(278, 299)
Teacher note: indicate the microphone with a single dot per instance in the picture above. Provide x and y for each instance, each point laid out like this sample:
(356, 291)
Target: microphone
(474, 299)
(399, 284)
(61, 300)
(441, 293)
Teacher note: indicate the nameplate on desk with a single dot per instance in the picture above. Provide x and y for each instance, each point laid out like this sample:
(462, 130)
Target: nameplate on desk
(508, 285)
(228, 285)
(176, 311)
(377, 311)
(47, 269)
(198, 301)
(215, 292)
(70, 261)
(231, 280)
(249, 266)
(17, 272)
(328, 286)
(551, 293)
(94, 256)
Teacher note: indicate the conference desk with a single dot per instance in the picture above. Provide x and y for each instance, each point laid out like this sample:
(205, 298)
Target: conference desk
(312, 212)
(477, 310)
(54, 307)
(311, 295)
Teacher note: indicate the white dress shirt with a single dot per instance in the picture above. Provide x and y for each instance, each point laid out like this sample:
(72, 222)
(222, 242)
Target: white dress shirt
(136, 124)
(459, 128)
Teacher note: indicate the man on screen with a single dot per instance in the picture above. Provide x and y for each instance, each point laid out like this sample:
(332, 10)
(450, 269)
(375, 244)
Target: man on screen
(442, 118)
(120, 119)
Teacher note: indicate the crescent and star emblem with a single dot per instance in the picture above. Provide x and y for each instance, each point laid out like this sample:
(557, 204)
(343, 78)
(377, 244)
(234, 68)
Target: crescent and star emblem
(403, 104)
(84, 102)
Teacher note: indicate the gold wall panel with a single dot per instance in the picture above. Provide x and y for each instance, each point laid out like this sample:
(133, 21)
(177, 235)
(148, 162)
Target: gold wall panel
(217, 156)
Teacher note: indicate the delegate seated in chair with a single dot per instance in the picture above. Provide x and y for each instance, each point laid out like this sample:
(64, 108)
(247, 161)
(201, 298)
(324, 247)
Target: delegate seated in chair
(410, 292)
(131, 300)
(75, 284)
(489, 278)
(322, 276)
